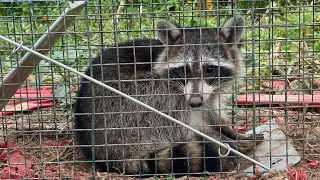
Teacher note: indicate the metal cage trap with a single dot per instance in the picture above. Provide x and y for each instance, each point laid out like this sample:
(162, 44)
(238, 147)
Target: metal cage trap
(47, 47)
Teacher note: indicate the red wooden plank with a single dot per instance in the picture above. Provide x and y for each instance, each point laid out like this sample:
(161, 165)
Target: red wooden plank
(27, 99)
(260, 99)
(34, 90)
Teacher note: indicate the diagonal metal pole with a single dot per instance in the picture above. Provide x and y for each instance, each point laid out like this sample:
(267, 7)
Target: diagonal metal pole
(138, 102)
(13, 80)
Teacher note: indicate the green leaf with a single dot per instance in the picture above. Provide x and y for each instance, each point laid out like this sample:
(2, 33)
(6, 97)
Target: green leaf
(62, 91)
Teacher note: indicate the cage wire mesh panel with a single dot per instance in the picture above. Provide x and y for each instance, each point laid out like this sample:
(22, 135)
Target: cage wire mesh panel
(280, 84)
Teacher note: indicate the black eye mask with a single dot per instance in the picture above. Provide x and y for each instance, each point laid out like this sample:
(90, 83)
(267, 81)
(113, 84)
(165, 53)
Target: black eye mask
(179, 74)
(214, 73)
(211, 73)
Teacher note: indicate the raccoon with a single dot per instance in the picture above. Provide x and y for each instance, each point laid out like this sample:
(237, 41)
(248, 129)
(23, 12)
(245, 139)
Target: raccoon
(188, 74)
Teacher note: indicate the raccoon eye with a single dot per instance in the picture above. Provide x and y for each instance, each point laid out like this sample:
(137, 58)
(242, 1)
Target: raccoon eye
(210, 69)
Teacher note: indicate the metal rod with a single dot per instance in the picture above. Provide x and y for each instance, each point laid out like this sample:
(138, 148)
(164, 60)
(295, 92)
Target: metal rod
(136, 101)
(13, 80)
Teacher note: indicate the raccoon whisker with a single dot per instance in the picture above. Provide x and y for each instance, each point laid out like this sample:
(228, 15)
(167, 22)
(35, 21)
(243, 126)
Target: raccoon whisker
(215, 81)
(222, 75)
(175, 76)
(220, 78)
(181, 86)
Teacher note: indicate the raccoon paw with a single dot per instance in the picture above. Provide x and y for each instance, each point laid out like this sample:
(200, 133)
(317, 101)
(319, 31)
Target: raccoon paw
(248, 144)
(229, 162)
(259, 137)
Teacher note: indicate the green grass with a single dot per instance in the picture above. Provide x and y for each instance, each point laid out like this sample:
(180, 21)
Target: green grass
(267, 23)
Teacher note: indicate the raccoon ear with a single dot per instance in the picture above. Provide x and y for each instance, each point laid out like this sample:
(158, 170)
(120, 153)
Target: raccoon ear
(234, 28)
(167, 32)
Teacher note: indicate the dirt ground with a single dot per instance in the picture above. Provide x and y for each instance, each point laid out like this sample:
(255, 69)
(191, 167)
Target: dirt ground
(43, 141)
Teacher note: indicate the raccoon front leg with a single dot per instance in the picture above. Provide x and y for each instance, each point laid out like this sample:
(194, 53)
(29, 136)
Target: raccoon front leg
(213, 118)
(243, 145)
(227, 131)
(191, 157)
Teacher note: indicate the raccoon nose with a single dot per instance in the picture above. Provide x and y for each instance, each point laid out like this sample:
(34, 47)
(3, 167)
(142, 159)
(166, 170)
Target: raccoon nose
(195, 101)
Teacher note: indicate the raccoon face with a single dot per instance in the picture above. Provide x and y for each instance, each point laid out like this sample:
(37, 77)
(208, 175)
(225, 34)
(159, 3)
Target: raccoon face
(202, 61)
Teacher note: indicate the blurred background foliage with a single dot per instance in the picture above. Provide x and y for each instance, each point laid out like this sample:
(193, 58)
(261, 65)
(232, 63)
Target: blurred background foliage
(280, 35)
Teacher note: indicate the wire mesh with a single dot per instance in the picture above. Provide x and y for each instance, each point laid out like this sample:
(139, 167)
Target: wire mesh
(281, 49)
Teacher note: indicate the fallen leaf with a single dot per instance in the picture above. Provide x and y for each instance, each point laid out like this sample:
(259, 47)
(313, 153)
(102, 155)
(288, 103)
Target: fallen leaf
(4, 152)
(297, 174)
(17, 166)
(79, 176)
(311, 163)
(242, 128)
(214, 177)
(264, 120)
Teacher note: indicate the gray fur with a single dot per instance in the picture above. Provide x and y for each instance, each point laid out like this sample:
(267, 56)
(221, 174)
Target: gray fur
(167, 32)
(234, 28)
(126, 134)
